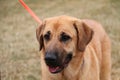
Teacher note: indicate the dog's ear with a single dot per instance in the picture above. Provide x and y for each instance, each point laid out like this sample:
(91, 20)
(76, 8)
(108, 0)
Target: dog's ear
(39, 35)
(84, 34)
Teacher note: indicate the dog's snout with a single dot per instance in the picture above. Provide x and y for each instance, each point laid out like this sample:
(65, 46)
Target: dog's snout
(51, 59)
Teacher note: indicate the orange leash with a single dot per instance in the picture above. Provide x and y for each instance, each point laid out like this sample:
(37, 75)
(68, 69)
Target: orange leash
(30, 11)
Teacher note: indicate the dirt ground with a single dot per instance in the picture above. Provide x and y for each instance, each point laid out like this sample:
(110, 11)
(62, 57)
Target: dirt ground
(19, 55)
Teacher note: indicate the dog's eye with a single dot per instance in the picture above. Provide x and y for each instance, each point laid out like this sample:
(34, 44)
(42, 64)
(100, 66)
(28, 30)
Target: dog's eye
(64, 37)
(47, 36)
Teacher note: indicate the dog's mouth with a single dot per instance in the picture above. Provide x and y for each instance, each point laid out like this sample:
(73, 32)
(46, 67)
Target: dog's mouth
(53, 68)
(56, 69)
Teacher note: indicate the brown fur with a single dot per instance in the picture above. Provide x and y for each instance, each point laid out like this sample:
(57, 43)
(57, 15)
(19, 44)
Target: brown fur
(90, 45)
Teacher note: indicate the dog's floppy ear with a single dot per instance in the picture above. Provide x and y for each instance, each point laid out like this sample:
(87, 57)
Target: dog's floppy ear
(39, 35)
(84, 34)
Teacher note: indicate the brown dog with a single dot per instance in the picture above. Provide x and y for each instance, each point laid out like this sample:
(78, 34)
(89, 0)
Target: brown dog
(73, 49)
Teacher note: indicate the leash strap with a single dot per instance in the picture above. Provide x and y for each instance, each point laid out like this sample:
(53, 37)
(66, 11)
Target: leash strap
(30, 11)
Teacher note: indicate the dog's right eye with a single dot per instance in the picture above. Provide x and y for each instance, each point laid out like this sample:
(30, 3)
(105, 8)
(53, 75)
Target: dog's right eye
(47, 36)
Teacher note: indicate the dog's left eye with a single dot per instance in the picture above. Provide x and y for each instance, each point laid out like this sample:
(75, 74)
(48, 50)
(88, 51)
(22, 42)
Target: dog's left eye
(64, 37)
(46, 37)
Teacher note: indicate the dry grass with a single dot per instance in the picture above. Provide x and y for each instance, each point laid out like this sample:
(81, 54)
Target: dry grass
(19, 57)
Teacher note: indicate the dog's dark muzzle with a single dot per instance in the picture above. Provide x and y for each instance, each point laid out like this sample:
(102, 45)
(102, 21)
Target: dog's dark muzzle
(52, 59)
(55, 62)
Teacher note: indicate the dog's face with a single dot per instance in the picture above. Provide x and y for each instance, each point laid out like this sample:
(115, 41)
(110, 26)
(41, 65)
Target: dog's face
(61, 38)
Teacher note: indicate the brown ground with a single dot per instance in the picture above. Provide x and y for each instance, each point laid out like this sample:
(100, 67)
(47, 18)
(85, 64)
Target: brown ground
(19, 57)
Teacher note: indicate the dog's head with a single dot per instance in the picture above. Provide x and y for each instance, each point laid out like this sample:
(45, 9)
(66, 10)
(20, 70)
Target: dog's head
(61, 38)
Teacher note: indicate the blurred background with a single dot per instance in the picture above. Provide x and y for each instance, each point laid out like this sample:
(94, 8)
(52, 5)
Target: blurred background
(19, 49)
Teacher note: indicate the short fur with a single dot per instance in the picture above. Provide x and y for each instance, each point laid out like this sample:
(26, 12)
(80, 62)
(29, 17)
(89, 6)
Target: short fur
(90, 46)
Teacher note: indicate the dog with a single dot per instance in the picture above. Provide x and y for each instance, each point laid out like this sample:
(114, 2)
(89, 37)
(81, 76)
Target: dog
(73, 49)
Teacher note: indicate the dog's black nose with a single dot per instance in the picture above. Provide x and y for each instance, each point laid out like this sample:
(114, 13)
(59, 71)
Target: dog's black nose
(51, 59)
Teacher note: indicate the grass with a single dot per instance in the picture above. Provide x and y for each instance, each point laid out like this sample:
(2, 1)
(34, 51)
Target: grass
(19, 56)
